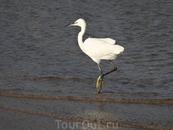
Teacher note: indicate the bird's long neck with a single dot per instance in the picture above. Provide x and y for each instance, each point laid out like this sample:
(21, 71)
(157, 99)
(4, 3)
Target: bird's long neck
(80, 36)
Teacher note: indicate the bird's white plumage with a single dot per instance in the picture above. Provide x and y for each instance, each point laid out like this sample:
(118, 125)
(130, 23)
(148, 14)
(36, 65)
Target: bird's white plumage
(108, 40)
(97, 48)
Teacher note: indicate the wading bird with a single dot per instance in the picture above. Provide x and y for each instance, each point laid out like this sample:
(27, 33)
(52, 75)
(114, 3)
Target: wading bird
(98, 49)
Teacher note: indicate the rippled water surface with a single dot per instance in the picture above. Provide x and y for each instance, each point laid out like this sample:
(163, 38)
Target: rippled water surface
(38, 56)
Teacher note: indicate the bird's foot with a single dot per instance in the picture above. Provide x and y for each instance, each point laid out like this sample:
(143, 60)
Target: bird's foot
(99, 83)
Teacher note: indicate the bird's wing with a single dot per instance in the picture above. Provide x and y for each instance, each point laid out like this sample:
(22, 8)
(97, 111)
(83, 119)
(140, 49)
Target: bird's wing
(99, 48)
(108, 40)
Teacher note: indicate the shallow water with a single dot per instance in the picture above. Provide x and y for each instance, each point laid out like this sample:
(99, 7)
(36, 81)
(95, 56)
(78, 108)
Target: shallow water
(39, 56)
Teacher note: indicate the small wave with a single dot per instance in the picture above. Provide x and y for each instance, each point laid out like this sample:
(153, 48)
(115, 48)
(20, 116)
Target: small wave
(61, 78)
(90, 99)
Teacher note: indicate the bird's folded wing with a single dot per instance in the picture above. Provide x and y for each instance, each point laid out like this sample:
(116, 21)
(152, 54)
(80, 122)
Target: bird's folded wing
(99, 48)
(107, 40)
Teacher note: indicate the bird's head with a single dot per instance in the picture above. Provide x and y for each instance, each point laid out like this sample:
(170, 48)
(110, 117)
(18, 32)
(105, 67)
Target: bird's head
(80, 22)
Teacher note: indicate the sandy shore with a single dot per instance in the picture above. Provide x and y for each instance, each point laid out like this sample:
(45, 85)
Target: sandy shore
(25, 111)
(11, 119)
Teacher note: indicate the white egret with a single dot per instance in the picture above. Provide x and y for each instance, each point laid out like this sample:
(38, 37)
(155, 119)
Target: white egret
(98, 49)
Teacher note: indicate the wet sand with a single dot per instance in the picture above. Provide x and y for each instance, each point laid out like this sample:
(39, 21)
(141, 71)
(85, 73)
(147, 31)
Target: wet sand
(26, 111)
(13, 119)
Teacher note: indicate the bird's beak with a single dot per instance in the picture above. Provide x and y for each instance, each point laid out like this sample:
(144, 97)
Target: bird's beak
(68, 25)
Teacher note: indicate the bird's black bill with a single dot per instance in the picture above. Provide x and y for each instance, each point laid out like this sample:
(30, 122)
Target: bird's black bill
(67, 25)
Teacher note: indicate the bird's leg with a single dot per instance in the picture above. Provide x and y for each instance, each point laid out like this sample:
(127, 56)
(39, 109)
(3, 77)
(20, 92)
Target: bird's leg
(99, 80)
(100, 69)
(114, 69)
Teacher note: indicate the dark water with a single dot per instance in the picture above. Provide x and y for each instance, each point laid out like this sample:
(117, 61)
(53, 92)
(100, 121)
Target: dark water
(39, 56)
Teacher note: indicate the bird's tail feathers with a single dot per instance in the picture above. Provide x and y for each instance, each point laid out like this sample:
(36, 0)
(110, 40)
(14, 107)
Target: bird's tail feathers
(118, 49)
